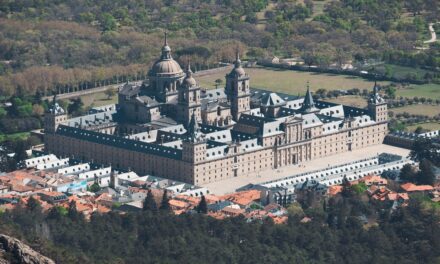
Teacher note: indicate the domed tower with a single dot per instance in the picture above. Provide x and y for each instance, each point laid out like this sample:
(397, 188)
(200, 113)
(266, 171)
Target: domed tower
(377, 106)
(237, 90)
(165, 76)
(189, 98)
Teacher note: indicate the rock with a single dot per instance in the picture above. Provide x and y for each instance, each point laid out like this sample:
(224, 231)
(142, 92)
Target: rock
(13, 248)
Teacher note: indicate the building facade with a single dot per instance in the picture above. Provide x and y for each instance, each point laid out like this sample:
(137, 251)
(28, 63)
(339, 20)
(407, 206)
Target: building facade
(170, 127)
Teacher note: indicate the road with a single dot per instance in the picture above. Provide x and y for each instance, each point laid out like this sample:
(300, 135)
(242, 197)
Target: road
(115, 86)
(433, 34)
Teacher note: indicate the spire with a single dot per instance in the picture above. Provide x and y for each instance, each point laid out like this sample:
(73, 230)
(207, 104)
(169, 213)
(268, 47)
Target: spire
(375, 97)
(237, 60)
(188, 69)
(166, 50)
(308, 103)
(193, 129)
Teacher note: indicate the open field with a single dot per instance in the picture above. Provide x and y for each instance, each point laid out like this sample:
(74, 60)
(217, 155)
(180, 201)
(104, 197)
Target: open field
(292, 82)
(423, 90)
(419, 109)
(98, 99)
(357, 101)
(427, 126)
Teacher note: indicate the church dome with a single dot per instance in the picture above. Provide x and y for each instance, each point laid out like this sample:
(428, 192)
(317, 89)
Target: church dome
(167, 66)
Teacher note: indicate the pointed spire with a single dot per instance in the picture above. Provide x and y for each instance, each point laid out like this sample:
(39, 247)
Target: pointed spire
(193, 129)
(166, 50)
(237, 60)
(308, 103)
(188, 69)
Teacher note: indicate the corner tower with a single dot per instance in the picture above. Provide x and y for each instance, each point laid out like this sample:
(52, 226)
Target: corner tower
(194, 145)
(237, 90)
(54, 117)
(377, 106)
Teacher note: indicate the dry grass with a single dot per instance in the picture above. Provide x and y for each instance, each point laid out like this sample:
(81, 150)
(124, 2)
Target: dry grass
(98, 99)
(420, 109)
(427, 126)
(292, 82)
(357, 101)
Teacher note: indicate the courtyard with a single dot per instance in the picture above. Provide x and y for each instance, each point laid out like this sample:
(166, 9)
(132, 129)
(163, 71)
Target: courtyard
(230, 185)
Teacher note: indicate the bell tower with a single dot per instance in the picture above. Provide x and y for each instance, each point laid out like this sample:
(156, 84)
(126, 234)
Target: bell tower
(189, 98)
(377, 106)
(238, 90)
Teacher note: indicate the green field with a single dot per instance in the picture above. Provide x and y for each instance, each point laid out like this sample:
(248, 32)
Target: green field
(291, 82)
(419, 109)
(427, 126)
(424, 90)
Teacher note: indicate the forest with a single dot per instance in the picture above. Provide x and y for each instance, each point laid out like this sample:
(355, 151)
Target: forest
(336, 234)
(46, 45)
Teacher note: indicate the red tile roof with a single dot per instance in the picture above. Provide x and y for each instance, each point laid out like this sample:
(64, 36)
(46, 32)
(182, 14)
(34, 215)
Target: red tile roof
(410, 187)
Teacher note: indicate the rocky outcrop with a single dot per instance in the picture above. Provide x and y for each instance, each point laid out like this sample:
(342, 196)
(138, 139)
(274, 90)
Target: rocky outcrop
(13, 250)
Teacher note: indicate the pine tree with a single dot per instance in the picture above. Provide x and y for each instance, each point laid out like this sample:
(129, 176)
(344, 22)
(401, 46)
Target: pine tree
(149, 202)
(426, 174)
(407, 173)
(165, 204)
(203, 206)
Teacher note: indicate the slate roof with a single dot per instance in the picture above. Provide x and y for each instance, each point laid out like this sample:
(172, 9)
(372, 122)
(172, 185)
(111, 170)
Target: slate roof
(119, 142)
(255, 121)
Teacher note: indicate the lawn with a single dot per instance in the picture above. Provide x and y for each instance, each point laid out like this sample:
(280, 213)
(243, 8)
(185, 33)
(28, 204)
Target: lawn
(98, 99)
(419, 109)
(15, 136)
(424, 90)
(291, 82)
(428, 126)
(357, 101)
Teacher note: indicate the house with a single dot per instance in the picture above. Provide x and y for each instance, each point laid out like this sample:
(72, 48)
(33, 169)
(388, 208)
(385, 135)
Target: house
(410, 187)
(334, 190)
(243, 198)
(374, 180)
(52, 197)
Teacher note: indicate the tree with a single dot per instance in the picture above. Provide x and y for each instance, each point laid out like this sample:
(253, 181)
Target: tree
(110, 92)
(165, 204)
(203, 206)
(418, 130)
(108, 22)
(424, 148)
(218, 82)
(149, 202)
(94, 187)
(33, 205)
(425, 174)
(407, 173)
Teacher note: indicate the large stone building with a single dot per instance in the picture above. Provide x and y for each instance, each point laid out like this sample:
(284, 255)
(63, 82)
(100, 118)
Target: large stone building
(170, 127)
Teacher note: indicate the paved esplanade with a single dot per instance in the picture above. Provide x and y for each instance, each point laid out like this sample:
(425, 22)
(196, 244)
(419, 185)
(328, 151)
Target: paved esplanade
(230, 185)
